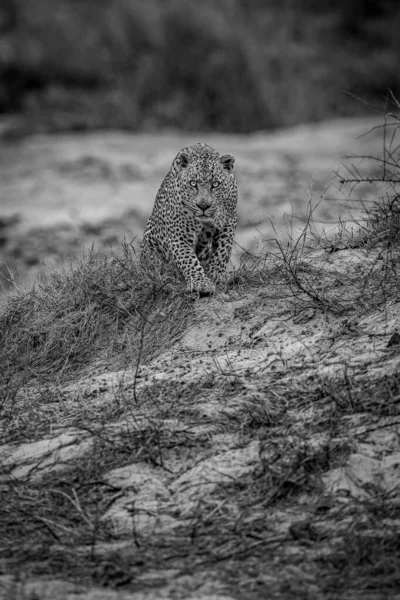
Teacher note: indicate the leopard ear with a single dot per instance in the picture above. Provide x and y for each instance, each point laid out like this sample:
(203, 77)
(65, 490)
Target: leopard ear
(228, 161)
(183, 159)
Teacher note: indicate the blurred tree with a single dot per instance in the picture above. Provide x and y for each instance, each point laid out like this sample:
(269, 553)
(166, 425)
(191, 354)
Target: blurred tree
(229, 65)
(8, 16)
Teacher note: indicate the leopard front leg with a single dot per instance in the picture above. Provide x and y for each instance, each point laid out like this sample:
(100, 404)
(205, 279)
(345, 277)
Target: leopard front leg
(186, 260)
(216, 258)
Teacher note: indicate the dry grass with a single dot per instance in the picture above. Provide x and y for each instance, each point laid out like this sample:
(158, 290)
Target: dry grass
(373, 280)
(273, 532)
(55, 529)
(104, 310)
(305, 274)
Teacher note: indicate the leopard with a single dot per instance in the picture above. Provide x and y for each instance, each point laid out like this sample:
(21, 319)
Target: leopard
(194, 218)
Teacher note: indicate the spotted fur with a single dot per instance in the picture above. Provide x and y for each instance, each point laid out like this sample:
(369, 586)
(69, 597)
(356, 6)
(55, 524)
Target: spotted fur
(194, 216)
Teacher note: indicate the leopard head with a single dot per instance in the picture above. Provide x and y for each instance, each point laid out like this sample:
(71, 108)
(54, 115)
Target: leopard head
(204, 180)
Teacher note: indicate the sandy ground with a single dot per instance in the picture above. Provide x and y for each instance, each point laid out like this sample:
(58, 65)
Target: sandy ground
(244, 361)
(243, 351)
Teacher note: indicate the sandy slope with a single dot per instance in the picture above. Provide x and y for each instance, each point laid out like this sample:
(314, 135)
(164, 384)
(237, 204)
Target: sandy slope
(254, 388)
(243, 351)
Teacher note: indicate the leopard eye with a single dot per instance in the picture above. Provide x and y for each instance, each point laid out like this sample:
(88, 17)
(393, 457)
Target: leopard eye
(215, 184)
(193, 183)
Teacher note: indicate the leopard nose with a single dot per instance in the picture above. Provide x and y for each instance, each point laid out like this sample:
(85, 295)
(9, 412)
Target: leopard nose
(203, 204)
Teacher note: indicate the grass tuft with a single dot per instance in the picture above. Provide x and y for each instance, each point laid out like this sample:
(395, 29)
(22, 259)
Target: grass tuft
(108, 310)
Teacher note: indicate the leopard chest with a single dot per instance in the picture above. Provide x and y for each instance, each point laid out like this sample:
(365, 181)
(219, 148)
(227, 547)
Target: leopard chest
(205, 235)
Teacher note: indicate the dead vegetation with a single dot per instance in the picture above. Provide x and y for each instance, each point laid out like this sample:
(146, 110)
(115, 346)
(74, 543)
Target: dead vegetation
(99, 307)
(259, 464)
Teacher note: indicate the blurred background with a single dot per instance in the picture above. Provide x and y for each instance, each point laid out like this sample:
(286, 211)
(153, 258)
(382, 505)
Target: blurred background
(98, 96)
(220, 65)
